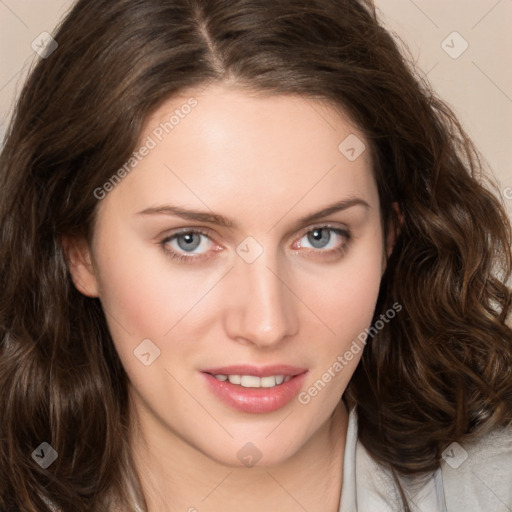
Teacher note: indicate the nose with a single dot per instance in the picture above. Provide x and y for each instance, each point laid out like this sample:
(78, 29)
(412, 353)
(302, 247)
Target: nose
(261, 306)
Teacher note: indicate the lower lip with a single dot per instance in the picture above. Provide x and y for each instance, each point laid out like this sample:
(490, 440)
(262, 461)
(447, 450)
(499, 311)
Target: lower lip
(256, 400)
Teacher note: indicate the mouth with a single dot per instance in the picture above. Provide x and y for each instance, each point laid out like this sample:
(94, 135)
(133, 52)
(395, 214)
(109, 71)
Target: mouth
(255, 390)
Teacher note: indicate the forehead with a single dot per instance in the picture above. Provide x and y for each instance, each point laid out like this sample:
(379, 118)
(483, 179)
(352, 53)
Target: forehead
(223, 147)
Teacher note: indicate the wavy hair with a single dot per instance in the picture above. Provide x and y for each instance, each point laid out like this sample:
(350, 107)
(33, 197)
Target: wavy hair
(439, 373)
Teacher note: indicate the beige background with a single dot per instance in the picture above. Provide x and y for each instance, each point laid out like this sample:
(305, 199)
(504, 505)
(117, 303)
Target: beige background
(477, 83)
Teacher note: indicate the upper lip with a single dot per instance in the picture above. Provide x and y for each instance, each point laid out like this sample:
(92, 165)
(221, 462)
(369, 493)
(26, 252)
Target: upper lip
(257, 371)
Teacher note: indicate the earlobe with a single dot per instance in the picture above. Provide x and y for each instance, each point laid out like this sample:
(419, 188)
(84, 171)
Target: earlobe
(77, 255)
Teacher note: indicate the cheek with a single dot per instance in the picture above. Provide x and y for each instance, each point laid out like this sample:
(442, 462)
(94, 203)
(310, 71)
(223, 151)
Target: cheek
(141, 288)
(345, 304)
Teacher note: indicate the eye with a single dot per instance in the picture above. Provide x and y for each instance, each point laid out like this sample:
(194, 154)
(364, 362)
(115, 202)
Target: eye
(324, 240)
(192, 244)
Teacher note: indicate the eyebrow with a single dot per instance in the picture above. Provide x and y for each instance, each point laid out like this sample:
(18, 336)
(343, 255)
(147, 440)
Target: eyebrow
(220, 220)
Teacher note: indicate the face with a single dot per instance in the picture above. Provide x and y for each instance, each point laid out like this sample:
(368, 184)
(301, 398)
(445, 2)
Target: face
(246, 242)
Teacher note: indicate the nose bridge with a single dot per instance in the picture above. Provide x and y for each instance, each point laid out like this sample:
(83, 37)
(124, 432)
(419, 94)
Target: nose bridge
(263, 310)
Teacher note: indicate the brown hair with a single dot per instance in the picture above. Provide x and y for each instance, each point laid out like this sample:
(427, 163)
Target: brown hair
(439, 373)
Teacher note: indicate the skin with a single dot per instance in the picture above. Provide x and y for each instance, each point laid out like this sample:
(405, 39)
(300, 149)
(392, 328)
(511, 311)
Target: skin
(264, 163)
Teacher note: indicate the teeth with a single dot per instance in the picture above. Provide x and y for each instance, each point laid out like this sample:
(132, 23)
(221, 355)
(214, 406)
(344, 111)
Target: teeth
(248, 381)
(251, 381)
(268, 382)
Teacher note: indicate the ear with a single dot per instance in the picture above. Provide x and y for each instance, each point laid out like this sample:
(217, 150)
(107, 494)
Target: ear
(394, 229)
(78, 258)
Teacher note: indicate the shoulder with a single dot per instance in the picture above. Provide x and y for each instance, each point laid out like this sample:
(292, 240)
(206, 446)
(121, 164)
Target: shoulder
(477, 475)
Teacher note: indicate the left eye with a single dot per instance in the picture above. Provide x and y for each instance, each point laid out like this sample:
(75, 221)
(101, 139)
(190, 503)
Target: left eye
(324, 238)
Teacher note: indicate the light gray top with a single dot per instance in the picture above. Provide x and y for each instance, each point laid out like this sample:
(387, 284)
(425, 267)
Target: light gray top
(476, 477)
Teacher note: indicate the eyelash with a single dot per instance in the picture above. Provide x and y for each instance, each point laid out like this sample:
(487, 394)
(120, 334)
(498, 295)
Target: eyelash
(182, 258)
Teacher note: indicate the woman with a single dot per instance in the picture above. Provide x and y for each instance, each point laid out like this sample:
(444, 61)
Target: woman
(248, 260)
